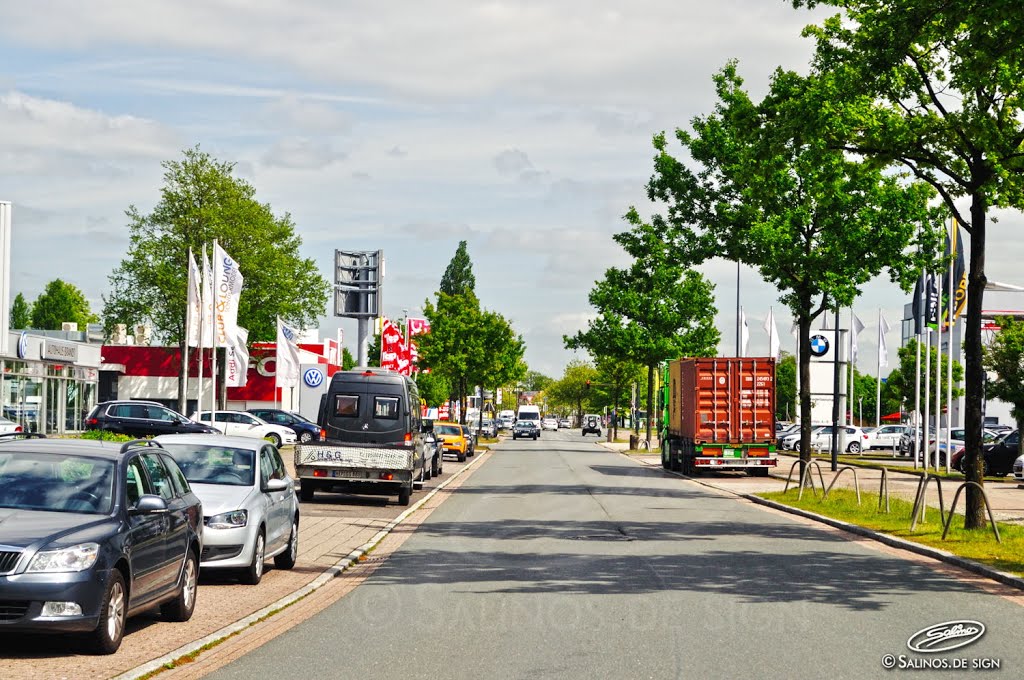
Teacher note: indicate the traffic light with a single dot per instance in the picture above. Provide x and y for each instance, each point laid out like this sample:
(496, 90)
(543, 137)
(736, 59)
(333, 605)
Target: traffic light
(588, 384)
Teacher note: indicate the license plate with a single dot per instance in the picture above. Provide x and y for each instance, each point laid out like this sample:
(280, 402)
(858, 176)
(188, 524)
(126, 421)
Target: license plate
(731, 453)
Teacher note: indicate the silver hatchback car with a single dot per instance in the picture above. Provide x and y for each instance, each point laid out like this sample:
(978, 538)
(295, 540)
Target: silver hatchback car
(250, 510)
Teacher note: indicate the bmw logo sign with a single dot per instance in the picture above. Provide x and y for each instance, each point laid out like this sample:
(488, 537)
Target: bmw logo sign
(313, 377)
(23, 345)
(819, 346)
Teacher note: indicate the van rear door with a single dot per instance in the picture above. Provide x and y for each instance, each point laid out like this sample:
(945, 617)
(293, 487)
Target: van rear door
(368, 410)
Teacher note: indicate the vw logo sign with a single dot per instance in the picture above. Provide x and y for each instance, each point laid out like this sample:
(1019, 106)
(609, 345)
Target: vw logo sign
(23, 345)
(819, 345)
(313, 377)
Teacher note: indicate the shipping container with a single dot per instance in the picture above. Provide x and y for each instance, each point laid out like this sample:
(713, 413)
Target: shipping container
(720, 414)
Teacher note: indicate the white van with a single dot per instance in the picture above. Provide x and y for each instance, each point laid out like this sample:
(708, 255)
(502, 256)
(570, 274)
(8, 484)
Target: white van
(531, 413)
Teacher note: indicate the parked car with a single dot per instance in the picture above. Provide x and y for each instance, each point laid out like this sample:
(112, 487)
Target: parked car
(956, 443)
(250, 510)
(305, 430)
(591, 423)
(852, 439)
(242, 424)
(788, 431)
(998, 458)
(488, 428)
(506, 422)
(434, 454)
(886, 437)
(525, 429)
(454, 439)
(1018, 469)
(93, 533)
(8, 426)
(141, 419)
(564, 423)
(549, 423)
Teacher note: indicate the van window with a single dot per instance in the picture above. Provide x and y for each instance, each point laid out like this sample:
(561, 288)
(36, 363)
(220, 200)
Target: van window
(346, 405)
(385, 408)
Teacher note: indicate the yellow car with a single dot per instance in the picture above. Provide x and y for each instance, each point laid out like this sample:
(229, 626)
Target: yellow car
(453, 439)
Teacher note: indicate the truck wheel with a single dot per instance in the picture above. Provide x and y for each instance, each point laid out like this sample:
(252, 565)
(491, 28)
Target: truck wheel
(404, 494)
(666, 463)
(306, 491)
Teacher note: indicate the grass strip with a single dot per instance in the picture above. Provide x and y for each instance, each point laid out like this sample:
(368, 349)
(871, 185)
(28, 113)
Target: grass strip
(977, 545)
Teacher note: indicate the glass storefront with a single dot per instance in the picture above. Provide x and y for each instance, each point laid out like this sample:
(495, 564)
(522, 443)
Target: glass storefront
(45, 397)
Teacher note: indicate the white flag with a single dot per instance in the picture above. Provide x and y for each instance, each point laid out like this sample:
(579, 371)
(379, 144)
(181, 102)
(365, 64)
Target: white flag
(237, 367)
(774, 345)
(206, 285)
(858, 326)
(287, 355)
(744, 334)
(883, 352)
(227, 289)
(194, 312)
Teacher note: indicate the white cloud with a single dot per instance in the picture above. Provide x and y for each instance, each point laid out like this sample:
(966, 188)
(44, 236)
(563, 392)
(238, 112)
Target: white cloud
(301, 153)
(512, 162)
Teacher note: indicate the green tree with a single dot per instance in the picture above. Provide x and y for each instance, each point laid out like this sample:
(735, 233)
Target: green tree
(347, 360)
(575, 388)
(434, 389)
(499, 358)
(458, 277)
(655, 310)
(535, 381)
(61, 302)
(615, 376)
(785, 387)
(940, 90)
(1004, 357)
(201, 200)
(21, 313)
(373, 350)
(899, 387)
(769, 191)
(453, 342)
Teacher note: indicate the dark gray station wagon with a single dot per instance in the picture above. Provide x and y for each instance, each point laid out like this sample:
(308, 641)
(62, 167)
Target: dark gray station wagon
(92, 533)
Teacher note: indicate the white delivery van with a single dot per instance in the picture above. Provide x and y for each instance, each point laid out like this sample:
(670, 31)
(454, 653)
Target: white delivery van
(531, 413)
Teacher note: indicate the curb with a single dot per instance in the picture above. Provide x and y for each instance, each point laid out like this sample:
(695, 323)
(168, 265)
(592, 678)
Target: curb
(891, 541)
(273, 608)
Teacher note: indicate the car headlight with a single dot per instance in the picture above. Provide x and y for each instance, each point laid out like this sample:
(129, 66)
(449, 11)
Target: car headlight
(229, 520)
(76, 558)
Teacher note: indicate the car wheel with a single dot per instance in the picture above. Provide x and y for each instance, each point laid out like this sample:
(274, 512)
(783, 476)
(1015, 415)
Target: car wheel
(254, 572)
(306, 437)
(461, 457)
(404, 494)
(854, 447)
(287, 559)
(418, 483)
(435, 466)
(107, 636)
(181, 607)
(274, 439)
(427, 470)
(306, 492)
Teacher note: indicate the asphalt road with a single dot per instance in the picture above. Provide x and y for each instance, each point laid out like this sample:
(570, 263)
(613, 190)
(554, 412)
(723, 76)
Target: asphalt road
(560, 559)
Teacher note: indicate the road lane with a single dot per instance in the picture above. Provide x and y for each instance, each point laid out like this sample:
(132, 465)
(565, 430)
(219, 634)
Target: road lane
(560, 559)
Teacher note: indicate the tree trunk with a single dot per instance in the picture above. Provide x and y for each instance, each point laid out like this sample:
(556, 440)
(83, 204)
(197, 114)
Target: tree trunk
(974, 373)
(805, 385)
(650, 395)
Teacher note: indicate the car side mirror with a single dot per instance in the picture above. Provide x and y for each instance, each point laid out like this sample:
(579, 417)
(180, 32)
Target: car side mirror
(149, 504)
(276, 485)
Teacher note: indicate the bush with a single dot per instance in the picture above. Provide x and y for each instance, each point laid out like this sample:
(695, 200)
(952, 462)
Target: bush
(103, 435)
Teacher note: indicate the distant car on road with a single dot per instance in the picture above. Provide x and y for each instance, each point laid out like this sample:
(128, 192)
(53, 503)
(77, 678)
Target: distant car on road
(525, 429)
(454, 439)
(564, 423)
(250, 508)
(549, 423)
(92, 533)
(305, 430)
(140, 419)
(242, 424)
(591, 424)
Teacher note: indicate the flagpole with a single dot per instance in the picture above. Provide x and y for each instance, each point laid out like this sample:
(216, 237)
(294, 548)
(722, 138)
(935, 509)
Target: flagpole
(853, 364)
(951, 308)
(938, 374)
(878, 389)
(917, 372)
(739, 311)
(927, 387)
(183, 406)
(213, 328)
(202, 326)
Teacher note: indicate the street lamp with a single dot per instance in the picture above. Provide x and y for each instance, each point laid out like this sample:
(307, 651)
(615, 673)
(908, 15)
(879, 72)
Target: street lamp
(861, 409)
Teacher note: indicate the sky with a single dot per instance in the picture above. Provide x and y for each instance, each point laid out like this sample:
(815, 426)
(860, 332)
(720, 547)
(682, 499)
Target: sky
(521, 127)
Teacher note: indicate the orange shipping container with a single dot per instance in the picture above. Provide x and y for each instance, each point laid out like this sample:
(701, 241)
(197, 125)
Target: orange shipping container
(727, 400)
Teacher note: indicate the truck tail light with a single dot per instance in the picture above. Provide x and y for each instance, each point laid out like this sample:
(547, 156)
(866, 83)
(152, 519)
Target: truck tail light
(323, 433)
(387, 476)
(319, 473)
(408, 439)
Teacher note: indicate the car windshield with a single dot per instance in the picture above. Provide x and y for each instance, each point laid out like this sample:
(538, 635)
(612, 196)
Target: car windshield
(213, 464)
(56, 482)
(448, 429)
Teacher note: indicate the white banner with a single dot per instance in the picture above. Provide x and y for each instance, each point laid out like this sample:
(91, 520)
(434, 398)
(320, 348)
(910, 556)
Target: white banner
(770, 327)
(206, 287)
(194, 311)
(287, 355)
(227, 289)
(236, 370)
